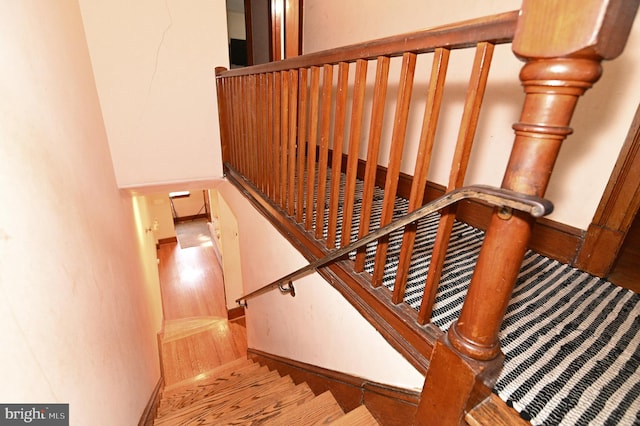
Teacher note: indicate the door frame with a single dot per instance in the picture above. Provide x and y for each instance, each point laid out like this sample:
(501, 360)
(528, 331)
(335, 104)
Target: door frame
(617, 209)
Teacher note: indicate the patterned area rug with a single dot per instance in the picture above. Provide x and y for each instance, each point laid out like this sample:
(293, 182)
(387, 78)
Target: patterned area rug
(193, 233)
(571, 340)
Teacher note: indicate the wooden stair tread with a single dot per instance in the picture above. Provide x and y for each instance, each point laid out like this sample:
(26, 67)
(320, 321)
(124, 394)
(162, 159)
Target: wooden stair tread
(322, 409)
(218, 381)
(493, 411)
(268, 407)
(221, 404)
(211, 375)
(194, 394)
(246, 389)
(357, 417)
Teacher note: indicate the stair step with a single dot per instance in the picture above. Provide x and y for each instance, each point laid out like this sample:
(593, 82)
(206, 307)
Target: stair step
(493, 411)
(221, 404)
(247, 387)
(322, 409)
(232, 383)
(177, 329)
(268, 407)
(358, 417)
(211, 375)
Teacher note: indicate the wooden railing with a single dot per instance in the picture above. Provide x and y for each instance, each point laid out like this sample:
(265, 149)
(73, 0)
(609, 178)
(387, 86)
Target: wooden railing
(291, 140)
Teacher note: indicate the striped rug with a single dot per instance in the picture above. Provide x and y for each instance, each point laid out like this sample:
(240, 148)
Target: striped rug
(571, 340)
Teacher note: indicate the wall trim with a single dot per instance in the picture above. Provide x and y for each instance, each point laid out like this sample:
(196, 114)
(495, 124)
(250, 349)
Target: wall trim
(151, 409)
(168, 240)
(390, 405)
(549, 238)
(617, 210)
(191, 217)
(235, 313)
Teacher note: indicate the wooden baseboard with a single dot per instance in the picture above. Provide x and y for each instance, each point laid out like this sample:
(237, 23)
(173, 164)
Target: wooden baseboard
(168, 240)
(549, 238)
(388, 404)
(191, 217)
(235, 313)
(553, 239)
(149, 413)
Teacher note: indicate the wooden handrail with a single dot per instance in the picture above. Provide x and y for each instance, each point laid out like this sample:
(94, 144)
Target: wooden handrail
(497, 29)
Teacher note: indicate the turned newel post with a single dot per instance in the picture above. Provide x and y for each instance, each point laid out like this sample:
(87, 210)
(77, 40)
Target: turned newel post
(562, 43)
(552, 88)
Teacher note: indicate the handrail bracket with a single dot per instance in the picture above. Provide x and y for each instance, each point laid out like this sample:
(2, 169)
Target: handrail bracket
(288, 289)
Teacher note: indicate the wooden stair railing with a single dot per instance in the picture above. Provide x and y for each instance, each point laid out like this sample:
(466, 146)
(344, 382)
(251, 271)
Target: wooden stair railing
(283, 128)
(504, 200)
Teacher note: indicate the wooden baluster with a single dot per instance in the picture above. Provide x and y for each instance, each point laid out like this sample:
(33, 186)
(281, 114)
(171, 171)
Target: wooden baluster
(262, 131)
(223, 114)
(248, 133)
(235, 123)
(243, 114)
(292, 130)
(233, 148)
(355, 130)
(265, 130)
(277, 95)
(302, 142)
(395, 158)
(270, 138)
(338, 143)
(373, 150)
(468, 125)
(312, 143)
(257, 134)
(325, 127)
(252, 152)
(284, 138)
(427, 137)
(563, 43)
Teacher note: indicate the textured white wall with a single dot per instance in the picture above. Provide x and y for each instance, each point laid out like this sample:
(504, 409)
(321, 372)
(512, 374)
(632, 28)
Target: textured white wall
(601, 121)
(154, 63)
(318, 326)
(79, 294)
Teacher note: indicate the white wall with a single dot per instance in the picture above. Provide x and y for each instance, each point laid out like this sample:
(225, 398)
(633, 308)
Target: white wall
(79, 302)
(231, 255)
(318, 326)
(161, 215)
(154, 63)
(601, 121)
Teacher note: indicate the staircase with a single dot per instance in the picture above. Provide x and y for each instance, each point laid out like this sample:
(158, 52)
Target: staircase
(242, 392)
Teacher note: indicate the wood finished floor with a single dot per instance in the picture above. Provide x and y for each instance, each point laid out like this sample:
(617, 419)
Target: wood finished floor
(197, 336)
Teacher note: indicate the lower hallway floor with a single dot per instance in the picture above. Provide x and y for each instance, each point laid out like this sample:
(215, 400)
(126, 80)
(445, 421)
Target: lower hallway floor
(197, 337)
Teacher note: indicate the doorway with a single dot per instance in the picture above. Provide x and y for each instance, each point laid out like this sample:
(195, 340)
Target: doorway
(263, 31)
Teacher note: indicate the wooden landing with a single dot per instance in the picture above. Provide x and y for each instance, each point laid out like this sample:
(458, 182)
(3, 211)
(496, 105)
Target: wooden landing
(195, 346)
(494, 412)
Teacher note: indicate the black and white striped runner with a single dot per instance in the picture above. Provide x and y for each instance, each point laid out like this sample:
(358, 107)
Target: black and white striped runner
(571, 340)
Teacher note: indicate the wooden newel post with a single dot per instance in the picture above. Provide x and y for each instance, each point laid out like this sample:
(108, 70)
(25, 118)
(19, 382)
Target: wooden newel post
(562, 43)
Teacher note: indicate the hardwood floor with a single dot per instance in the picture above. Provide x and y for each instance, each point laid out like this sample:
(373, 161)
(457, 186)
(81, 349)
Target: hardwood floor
(197, 336)
(191, 281)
